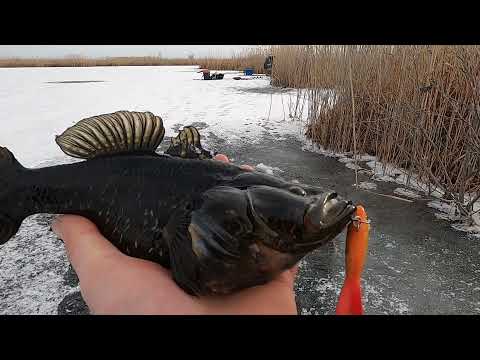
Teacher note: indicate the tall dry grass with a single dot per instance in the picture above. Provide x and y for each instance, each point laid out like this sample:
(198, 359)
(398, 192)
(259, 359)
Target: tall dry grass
(253, 58)
(238, 61)
(416, 107)
(88, 62)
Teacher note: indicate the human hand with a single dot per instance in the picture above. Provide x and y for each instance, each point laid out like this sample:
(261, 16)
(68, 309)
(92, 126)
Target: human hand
(114, 283)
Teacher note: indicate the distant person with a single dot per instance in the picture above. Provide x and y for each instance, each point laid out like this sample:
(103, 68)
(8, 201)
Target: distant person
(268, 64)
(206, 74)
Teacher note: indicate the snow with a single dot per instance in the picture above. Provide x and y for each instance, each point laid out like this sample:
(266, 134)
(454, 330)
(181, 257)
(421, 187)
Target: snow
(367, 185)
(267, 169)
(346, 160)
(406, 192)
(33, 110)
(352, 166)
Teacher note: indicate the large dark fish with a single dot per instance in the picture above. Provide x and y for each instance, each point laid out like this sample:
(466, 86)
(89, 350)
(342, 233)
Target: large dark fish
(218, 227)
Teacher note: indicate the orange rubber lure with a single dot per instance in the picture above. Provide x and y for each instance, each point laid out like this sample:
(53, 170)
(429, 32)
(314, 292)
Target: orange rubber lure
(350, 300)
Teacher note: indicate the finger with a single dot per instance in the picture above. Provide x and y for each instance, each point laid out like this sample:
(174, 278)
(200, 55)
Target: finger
(287, 278)
(224, 158)
(294, 271)
(85, 245)
(221, 157)
(247, 167)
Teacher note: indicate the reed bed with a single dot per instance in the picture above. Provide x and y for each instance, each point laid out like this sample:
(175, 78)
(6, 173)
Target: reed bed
(89, 62)
(253, 58)
(238, 61)
(415, 107)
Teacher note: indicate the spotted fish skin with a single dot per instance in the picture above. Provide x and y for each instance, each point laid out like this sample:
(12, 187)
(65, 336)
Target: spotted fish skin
(130, 198)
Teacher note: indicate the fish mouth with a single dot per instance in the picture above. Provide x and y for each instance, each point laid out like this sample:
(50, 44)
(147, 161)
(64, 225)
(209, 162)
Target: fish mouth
(326, 210)
(320, 218)
(325, 218)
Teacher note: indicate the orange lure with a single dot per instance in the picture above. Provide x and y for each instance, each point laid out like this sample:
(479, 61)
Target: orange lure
(350, 300)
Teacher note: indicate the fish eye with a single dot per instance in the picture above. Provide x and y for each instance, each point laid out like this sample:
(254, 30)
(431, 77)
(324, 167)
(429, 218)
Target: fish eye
(297, 190)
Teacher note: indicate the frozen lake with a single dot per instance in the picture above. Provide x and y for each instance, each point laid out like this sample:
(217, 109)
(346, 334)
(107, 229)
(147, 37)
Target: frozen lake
(38, 103)
(417, 263)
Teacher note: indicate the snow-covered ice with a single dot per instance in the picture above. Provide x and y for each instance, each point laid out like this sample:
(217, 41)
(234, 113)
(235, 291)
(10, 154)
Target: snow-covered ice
(34, 110)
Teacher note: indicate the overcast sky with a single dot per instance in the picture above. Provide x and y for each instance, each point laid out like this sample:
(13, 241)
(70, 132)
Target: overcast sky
(118, 50)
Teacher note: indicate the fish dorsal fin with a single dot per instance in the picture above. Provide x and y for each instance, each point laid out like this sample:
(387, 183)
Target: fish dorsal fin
(114, 133)
(187, 144)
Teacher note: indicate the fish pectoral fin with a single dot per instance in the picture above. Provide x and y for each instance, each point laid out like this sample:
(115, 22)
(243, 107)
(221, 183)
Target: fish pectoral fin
(187, 145)
(183, 261)
(114, 133)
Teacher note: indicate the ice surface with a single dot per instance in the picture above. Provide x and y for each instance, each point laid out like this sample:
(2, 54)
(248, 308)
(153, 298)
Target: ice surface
(414, 187)
(33, 110)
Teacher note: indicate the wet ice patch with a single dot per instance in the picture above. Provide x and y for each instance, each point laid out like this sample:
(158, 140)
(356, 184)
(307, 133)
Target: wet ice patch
(267, 169)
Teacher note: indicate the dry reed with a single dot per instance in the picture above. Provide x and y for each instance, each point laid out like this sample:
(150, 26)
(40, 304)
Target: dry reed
(416, 107)
(253, 58)
(88, 62)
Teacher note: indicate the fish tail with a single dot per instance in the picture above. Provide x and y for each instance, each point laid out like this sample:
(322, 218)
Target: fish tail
(9, 167)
